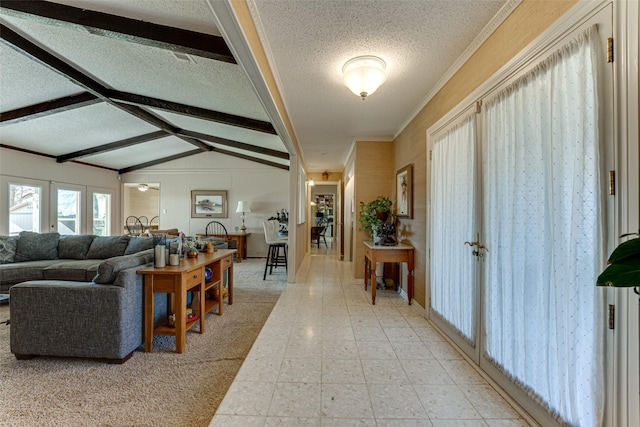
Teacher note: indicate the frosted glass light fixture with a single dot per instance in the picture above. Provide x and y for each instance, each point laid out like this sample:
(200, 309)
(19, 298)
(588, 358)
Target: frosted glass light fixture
(363, 75)
(143, 187)
(243, 208)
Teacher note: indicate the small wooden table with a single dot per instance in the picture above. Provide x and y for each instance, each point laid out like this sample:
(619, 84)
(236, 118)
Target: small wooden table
(177, 280)
(241, 243)
(398, 253)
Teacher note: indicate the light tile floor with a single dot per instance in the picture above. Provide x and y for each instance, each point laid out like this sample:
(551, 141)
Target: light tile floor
(327, 357)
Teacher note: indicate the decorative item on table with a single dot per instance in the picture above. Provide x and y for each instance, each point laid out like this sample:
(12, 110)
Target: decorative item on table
(208, 247)
(243, 208)
(159, 251)
(190, 317)
(213, 292)
(379, 220)
(192, 252)
(282, 217)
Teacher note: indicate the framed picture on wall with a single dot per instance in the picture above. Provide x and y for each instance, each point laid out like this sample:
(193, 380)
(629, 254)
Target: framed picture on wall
(404, 192)
(208, 204)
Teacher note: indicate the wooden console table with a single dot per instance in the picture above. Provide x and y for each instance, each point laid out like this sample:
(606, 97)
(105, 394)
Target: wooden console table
(398, 253)
(241, 243)
(177, 280)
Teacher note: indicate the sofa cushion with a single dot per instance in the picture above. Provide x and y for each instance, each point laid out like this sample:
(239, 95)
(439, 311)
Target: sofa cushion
(138, 244)
(108, 269)
(36, 246)
(76, 271)
(7, 248)
(74, 247)
(107, 247)
(17, 272)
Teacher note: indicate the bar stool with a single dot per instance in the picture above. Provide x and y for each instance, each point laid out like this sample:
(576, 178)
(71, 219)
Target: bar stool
(278, 246)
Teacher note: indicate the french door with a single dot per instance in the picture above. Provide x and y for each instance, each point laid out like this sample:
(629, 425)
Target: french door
(77, 209)
(519, 226)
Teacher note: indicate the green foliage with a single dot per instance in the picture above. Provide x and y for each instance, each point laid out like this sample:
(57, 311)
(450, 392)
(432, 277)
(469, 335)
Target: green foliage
(376, 213)
(624, 265)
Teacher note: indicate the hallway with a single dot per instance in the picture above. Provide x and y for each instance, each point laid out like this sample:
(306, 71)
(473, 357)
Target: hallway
(327, 357)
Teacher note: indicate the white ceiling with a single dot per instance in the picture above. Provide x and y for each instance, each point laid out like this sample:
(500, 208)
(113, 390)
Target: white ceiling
(307, 42)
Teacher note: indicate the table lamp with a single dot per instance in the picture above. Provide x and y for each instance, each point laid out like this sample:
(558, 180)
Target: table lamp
(243, 207)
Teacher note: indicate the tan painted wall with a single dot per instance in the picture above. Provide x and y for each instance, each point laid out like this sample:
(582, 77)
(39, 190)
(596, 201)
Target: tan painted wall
(523, 26)
(374, 176)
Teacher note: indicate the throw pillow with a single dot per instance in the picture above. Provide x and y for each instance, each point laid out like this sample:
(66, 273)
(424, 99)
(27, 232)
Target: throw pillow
(74, 247)
(7, 248)
(138, 244)
(104, 247)
(35, 246)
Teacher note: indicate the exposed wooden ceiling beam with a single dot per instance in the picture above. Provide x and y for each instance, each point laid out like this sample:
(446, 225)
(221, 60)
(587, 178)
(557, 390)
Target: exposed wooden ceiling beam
(111, 146)
(159, 161)
(48, 107)
(118, 27)
(52, 62)
(236, 144)
(189, 110)
(251, 158)
(37, 153)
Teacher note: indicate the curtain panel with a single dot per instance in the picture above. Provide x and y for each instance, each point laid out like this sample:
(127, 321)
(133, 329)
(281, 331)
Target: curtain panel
(542, 218)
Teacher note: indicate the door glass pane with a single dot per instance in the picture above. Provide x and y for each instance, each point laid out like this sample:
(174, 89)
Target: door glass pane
(542, 221)
(101, 214)
(453, 216)
(24, 208)
(69, 211)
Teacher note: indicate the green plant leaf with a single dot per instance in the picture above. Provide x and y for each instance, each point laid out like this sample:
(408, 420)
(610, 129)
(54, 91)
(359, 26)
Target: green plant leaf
(622, 274)
(627, 249)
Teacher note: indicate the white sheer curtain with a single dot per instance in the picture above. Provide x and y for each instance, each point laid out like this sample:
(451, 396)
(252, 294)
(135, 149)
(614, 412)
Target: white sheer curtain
(453, 212)
(542, 219)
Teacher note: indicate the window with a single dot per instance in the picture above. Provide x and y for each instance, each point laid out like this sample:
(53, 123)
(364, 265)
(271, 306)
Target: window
(24, 208)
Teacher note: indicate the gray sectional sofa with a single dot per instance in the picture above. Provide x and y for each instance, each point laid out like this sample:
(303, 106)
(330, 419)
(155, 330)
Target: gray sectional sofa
(76, 296)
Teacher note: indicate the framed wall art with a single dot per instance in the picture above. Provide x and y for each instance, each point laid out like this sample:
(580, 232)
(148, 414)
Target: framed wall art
(404, 192)
(208, 204)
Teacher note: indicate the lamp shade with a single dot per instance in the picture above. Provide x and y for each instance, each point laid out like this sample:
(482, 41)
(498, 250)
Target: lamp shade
(363, 75)
(243, 206)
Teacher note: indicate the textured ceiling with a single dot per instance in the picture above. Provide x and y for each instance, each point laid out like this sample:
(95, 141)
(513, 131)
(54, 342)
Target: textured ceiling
(309, 42)
(120, 64)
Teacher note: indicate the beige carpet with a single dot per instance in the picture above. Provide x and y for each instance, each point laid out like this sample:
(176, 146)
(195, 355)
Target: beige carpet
(151, 389)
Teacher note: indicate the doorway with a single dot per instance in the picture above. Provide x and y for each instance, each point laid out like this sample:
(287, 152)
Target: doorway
(324, 214)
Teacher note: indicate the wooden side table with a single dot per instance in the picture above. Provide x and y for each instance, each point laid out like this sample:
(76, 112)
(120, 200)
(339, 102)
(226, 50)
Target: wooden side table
(398, 253)
(177, 280)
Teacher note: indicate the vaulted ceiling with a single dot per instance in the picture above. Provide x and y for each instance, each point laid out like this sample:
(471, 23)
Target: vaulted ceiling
(124, 94)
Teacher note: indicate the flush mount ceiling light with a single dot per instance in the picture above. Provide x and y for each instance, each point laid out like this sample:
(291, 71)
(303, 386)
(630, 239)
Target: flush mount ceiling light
(143, 187)
(364, 74)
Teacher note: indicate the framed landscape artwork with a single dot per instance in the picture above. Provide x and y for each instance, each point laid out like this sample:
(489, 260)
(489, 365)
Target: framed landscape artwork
(208, 204)
(404, 192)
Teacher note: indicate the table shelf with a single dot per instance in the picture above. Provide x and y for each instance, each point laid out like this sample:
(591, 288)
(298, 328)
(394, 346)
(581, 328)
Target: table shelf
(177, 281)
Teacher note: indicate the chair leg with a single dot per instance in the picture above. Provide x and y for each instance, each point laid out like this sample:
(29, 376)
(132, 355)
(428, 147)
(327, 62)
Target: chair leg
(267, 263)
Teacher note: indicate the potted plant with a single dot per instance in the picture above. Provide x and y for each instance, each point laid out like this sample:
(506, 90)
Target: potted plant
(623, 270)
(378, 219)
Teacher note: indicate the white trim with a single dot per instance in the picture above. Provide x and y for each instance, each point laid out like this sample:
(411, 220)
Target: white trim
(626, 51)
(495, 22)
(227, 22)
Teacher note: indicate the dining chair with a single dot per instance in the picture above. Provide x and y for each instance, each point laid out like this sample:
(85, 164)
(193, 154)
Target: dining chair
(134, 226)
